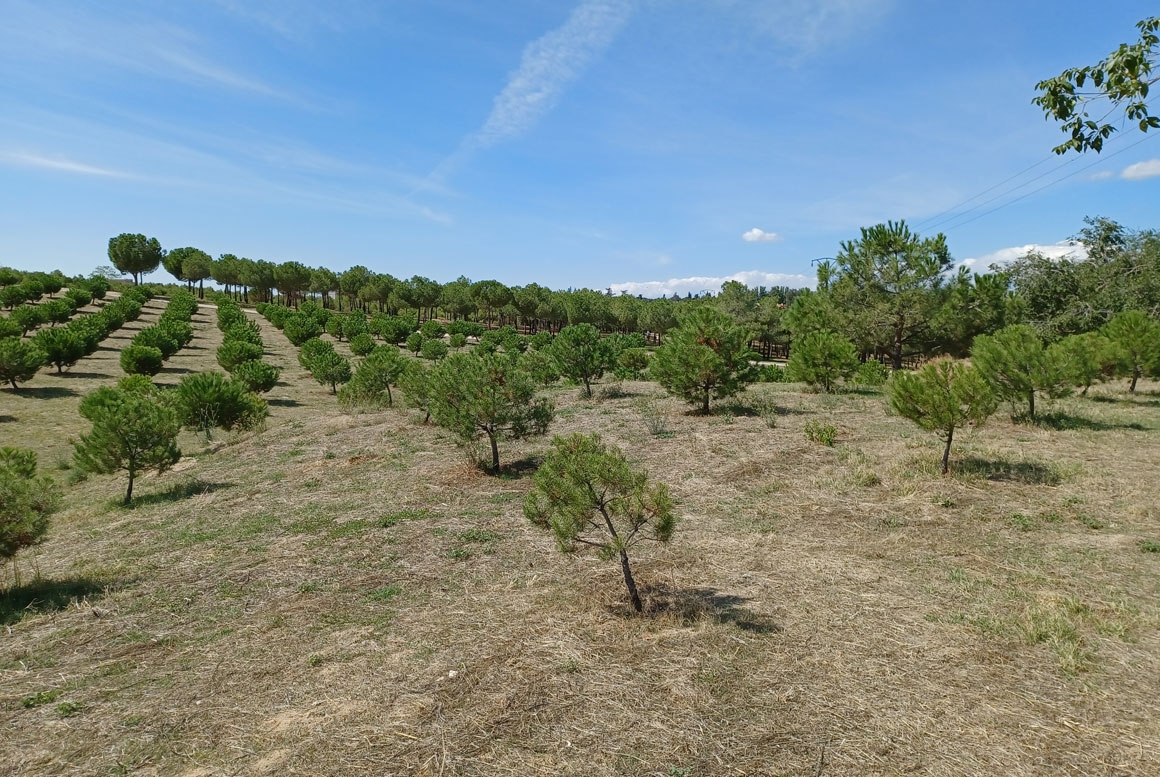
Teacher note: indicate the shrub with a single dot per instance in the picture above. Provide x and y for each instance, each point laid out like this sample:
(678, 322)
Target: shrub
(208, 400)
(820, 359)
(157, 338)
(414, 342)
(334, 327)
(589, 496)
(505, 337)
(256, 375)
(942, 396)
(433, 349)
(631, 363)
(872, 373)
(465, 328)
(311, 349)
(61, 347)
(541, 365)
(540, 340)
(178, 331)
(56, 312)
(353, 324)
(231, 353)
(393, 329)
(771, 373)
(26, 501)
(131, 431)
(141, 360)
(299, 328)
(706, 357)
(415, 381)
(245, 331)
(28, 317)
(486, 396)
(432, 329)
(1083, 359)
(362, 344)
(816, 431)
(458, 340)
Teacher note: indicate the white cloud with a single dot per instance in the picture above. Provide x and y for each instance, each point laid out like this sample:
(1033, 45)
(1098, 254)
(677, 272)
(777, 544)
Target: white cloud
(757, 235)
(1006, 255)
(808, 26)
(549, 64)
(59, 164)
(700, 283)
(1142, 170)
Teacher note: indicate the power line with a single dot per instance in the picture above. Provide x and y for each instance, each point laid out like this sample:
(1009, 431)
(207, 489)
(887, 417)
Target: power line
(1048, 184)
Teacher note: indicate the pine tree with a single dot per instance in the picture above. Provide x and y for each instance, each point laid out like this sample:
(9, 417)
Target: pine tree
(589, 495)
(131, 431)
(706, 357)
(1017, 366)
(944, 395)
(821, 359)
(582, 354)
(26, 501)
(20, 360)
(1136, 342)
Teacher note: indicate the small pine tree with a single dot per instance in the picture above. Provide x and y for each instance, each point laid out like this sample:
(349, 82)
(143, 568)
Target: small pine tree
(486, 396)
(20, 360)
(208, 400)
(1015, 364)
(382, 368)
(26, 501)
(1083, 359)
(131, 431)
(707, 356)
(581, 354)
(233, 353)
(1135, 341)
(61, 347)
(141, 360)
(822, 358)
(589, 495)
(944, 395)
(257, 376)
(434, 350)
(362, 344)
(299, 328)
(330, 368)
(28, 317)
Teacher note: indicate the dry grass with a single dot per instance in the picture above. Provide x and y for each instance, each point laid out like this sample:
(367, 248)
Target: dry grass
(347, 595)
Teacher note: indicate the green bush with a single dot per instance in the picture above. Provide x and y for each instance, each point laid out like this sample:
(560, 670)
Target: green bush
(362, 344)
(816, 431)
(541, 366)
(631, 364)
(414, 342)
(707, 356)
(245, 331)
(458, 340)
(156, 337)
(465, 328)
(432, 329)
(540, 340)
(28, 317)
(61, 347)
(820, 359)
(1017, 367)
(141, 360)
(370, 386)
(256, 375)
(582, 355)
(311, 349)
(26, 501)
(231, 353)
(299, 328)
(433, 349)
(771, 373)
(872, 373)
(330, 369)
(208, 400)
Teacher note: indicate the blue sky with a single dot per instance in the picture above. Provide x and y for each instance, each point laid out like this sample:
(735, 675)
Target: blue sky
(647, 145)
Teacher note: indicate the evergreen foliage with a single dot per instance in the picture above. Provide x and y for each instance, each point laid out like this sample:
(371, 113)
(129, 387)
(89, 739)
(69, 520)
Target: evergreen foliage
(707, 356)
(821, 359)
(589, 496)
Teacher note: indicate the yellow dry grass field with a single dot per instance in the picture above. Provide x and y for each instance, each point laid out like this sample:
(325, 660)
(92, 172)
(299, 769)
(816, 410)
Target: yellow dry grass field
(348, 595)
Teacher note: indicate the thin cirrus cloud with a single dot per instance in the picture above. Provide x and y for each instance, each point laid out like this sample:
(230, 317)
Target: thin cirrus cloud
(702, 283)
(757, 235)
(58, 164)
(548, 65)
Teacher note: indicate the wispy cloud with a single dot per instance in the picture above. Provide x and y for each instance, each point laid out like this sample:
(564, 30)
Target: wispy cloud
(700, 283)
(548, 65)
(757, 235)
(1142, 170)
(807, 26)
(1004, 256)
(58, 164)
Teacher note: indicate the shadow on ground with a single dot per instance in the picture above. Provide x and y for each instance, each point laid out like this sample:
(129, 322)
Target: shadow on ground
(176, 493)
(43, 392)
(1029, 472)
(690, 605)
(1068, 422)
(45, 596)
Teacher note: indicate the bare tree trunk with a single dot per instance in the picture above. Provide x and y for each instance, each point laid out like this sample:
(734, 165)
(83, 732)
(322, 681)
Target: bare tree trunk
(947, 451)
(629, 582)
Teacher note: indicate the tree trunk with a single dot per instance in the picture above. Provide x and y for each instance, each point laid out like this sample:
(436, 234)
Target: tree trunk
(705, 403)
(129, 491)
(1135, 377)
(947, 451)
(1031, 401)
(629, 582)
(494, 452)
(896, 356)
